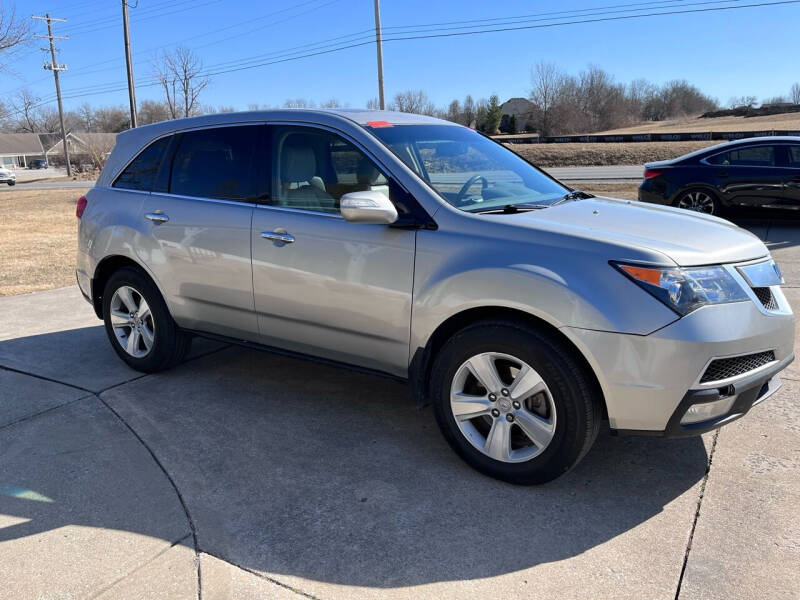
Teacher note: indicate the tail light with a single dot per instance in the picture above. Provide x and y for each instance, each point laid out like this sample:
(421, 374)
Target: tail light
(80, 207)
(649, 173)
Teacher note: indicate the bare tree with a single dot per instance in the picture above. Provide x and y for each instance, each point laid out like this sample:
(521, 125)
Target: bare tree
(180, 75)
(14, 32)
(412, 101)
(794, 94)
(299, 103)
(373, 104)
(152, 111)
(24, 105)
(742, 102)
(547, 82)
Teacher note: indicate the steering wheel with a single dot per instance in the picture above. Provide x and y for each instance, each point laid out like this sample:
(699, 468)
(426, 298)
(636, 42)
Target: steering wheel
(470, 182)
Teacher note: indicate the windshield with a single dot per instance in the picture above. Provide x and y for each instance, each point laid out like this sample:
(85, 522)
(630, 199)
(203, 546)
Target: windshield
(466, 169)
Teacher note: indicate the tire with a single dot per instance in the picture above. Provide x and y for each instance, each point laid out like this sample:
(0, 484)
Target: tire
(123, 295)
(699, 200)
(564, 404)
(10, 183)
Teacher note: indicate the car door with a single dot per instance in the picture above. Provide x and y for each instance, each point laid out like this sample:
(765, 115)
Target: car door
(792, 181)
(324, 286)
(749, 176)
(197, 232)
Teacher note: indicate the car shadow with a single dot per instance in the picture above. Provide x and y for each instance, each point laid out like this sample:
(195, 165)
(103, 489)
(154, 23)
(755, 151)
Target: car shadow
(292, 467)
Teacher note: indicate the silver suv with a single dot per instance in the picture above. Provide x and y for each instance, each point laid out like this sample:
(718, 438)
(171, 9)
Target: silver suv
(523, 310)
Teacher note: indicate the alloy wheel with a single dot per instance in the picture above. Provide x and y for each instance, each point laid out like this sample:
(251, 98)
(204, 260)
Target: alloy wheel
(698, 202)
(132, 321)
(503, 407)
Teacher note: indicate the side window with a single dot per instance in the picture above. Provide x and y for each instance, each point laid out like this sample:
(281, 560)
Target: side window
(794, 156)
(313, 169)
(753, 156)
(216, 163)
(141, 173)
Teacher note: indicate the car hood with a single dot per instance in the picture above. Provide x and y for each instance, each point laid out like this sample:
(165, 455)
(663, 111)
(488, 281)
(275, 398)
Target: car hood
(688, 238)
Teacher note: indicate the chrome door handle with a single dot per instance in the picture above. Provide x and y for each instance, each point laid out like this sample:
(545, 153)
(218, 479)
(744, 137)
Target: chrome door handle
(157, 217)
(286, 238)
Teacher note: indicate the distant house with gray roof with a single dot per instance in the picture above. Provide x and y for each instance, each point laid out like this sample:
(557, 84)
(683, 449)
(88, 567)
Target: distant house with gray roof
(18, 149)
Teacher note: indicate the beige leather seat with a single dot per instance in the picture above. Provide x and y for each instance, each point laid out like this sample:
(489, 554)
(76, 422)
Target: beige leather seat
(301, 187)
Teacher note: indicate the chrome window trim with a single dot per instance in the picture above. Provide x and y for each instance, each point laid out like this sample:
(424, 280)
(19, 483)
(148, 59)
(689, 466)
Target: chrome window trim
(300, 211)
(203, 199)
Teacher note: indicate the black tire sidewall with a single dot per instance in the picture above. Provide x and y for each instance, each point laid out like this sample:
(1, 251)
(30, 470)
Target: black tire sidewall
(162, 353)
(577, 409)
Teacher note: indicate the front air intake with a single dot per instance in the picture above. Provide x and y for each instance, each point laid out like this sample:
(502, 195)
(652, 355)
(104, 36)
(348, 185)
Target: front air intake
(725, 368)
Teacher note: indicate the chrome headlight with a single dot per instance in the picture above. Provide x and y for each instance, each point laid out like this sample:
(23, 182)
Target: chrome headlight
(686, 289)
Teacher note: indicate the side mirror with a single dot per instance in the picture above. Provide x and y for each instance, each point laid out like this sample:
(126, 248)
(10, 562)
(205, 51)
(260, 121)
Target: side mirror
(368, 207)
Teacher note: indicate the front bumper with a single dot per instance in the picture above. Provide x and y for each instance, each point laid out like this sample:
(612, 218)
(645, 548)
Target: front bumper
(746, 393)
(650, 381)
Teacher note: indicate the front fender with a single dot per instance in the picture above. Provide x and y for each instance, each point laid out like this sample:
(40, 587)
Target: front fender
(565, 288)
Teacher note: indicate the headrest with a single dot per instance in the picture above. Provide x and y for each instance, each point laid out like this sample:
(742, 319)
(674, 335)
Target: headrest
(367, 173)
(299, 164)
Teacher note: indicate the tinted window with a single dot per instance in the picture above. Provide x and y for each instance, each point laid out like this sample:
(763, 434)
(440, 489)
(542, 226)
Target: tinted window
(141, 173)
(216, 163)
(753, 156)
(315, 168)
(794, 156)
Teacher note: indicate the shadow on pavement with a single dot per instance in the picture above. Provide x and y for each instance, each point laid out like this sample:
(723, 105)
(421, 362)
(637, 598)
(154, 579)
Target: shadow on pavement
(289, 467)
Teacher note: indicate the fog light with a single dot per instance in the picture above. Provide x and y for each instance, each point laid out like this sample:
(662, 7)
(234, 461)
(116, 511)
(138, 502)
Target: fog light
(707, 410)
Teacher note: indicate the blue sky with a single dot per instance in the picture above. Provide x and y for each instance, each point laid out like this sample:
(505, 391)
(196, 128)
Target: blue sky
(750, 51)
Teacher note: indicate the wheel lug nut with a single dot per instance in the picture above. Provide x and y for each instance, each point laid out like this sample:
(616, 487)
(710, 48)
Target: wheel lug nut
(510, 418)
(495, 413)
(516, 404)
(504, 391)
(492, 397)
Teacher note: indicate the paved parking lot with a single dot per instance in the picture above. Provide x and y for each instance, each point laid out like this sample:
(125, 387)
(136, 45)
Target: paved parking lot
(245, 475)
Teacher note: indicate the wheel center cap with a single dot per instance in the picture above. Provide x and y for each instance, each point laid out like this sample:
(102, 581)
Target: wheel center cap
(504, 404)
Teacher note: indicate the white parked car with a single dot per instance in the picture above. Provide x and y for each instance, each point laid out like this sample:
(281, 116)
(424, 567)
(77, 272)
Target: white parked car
(8, 176)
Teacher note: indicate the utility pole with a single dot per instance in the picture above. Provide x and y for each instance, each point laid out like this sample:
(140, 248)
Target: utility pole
(55, 68)
(379, 44)
(128, 63)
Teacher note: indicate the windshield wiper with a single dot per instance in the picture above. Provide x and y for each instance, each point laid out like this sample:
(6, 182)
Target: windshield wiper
(573, 195)
(510, 209)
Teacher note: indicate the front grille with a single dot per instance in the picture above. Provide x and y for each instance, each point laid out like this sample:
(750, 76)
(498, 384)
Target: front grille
(765, 296)
(723, 368)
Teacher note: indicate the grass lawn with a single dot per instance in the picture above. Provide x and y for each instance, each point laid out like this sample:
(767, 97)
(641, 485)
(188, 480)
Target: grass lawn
(37, 240)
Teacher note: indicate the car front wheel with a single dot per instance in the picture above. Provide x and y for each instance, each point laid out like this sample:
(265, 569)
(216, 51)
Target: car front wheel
(138, 323)
(514, 402)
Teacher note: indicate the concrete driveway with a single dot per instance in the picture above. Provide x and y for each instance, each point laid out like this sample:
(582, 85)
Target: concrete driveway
(241, 474)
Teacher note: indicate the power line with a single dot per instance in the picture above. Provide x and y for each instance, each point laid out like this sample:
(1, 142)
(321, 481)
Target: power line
(216, 70)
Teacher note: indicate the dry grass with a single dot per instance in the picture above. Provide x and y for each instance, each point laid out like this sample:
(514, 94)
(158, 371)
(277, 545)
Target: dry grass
(784, 121)
(627, 191)
(37, 245)
(581, 155)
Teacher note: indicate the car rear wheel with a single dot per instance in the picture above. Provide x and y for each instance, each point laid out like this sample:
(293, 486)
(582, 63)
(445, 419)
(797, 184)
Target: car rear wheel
(699, 201)
(514, 402)
(12, 183)
(138, 323)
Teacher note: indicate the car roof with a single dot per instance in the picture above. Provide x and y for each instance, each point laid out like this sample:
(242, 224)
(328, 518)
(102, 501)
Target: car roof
(729, 144)
(323, 116)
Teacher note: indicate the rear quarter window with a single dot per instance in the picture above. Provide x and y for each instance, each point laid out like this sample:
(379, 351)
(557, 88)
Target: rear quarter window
(141, 173)
(754, 156)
